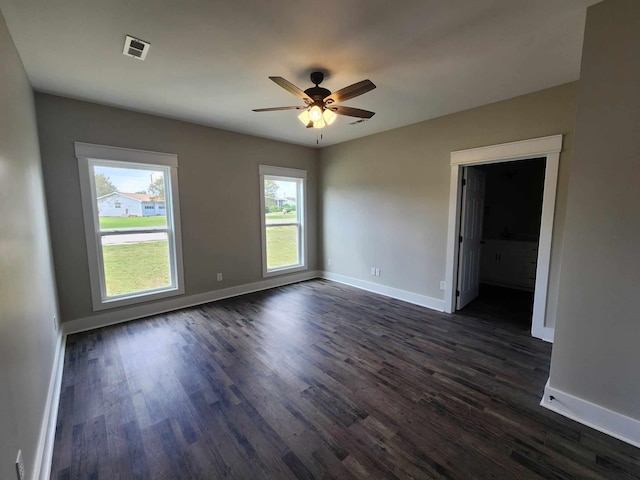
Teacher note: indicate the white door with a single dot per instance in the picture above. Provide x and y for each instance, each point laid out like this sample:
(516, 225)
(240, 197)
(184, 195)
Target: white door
(472, 215)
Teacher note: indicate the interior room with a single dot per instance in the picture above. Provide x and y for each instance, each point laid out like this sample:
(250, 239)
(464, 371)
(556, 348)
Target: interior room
(243, 239)
(509, 245)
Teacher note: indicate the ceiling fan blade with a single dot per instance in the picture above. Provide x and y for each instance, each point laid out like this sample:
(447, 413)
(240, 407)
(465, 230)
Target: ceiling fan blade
(291, 88)
(351, 91)
(274, 109)
(352, 112)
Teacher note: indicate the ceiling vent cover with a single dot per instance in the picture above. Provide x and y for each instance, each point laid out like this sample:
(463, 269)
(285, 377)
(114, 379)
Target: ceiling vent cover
(136, 48)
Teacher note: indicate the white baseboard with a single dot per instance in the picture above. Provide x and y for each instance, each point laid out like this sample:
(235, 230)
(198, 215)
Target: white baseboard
(404, 295)
(544, 333)
(44, 453)
(602, 419)
(104, 319)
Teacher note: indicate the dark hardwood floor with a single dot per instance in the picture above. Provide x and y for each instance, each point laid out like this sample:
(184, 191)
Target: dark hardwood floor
(502, 304)
(318, 380)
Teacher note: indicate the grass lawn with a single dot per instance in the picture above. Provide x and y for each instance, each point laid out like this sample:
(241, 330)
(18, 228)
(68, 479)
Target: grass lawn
(282, 245)
(133, 222)
(135, 267)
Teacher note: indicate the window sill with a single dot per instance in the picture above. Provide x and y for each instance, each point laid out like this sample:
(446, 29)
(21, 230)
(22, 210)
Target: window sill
(100, 304)
(283, 271)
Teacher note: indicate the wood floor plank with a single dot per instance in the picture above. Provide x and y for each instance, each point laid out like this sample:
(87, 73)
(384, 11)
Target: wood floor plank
(318, 380)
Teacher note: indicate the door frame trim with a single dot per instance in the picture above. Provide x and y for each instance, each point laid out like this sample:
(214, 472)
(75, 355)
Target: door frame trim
(548, 147)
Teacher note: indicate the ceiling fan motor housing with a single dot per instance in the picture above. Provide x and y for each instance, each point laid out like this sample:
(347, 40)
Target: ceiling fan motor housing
(317, 93)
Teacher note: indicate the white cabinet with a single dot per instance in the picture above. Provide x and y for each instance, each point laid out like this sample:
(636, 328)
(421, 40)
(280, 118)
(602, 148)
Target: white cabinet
(509, 263)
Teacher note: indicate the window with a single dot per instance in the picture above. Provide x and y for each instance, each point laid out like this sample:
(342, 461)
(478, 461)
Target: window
(132, 258)
(282, 206)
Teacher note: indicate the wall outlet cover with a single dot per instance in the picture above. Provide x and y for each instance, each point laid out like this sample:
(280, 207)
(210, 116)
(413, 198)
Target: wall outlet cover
(219, 277)
(20, 466)
(443, 285)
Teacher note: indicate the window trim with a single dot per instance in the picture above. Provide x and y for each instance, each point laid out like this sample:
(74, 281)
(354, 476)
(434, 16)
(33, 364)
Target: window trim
(87, 154)
(285, 174)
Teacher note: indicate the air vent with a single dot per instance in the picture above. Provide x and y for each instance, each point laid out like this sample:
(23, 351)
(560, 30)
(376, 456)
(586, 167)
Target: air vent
(136, 48)
(360, 120)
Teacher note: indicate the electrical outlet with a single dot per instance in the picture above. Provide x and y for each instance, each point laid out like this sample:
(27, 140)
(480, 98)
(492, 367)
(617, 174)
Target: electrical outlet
(373, 271)
(377, 272)
(329, 262)
(20, 466)
(219, 277)
(443, 285)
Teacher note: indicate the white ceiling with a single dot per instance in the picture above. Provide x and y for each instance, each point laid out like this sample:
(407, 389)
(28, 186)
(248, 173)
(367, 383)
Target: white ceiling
(209, 60)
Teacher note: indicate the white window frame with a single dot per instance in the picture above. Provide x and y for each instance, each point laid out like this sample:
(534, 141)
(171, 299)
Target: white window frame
(89, 155)
(289, 174)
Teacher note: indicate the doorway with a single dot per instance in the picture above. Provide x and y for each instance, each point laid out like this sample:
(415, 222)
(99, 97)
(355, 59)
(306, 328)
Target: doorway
(547, 148)
(499, 236)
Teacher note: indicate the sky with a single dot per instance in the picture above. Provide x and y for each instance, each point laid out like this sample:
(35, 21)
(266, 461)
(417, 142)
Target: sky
(286, 189)
(129, 180)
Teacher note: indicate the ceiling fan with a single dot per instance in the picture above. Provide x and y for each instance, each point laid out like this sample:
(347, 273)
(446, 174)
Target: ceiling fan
(321, 106)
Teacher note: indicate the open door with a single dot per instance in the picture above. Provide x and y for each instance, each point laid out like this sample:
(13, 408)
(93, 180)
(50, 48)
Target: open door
(472, 216)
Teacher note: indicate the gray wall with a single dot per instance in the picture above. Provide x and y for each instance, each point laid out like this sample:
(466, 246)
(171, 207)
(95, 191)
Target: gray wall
(27, 291)
(219, 192)
(596, 355)
(385, 198)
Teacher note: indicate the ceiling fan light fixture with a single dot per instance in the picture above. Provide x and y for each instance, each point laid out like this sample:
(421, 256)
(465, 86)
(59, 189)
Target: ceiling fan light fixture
(319, 123)
(304, 117)
(315, 113)
(329, 116)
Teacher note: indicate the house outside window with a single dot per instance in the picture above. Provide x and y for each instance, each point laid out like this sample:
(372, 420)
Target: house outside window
(137, 256)
(283, 208)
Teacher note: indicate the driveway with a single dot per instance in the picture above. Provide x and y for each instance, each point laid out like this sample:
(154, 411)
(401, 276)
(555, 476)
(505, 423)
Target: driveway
(133, 238)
